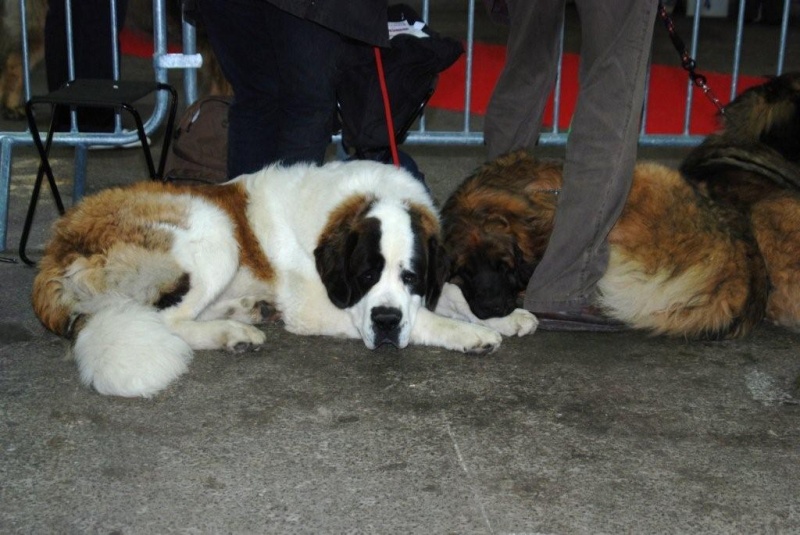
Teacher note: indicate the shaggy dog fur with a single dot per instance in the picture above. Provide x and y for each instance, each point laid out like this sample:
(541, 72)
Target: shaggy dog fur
(679, 265)
(753, 165)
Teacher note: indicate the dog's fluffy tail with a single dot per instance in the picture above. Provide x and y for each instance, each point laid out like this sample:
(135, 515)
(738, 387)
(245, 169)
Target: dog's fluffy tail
(694, 303)
(107, 305)
(124, 348)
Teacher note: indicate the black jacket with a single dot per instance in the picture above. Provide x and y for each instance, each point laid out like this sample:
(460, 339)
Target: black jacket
(364, 20)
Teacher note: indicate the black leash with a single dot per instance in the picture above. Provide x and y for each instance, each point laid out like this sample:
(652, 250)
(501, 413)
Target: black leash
(687, 62)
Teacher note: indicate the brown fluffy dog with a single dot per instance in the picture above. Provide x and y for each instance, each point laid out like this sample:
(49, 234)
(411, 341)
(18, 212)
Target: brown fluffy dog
(679, 264)
(753, 165)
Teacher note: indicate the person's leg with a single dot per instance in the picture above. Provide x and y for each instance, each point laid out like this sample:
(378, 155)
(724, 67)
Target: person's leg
(55, 45)
(307, 55)
(282, 70)
(242, 39)
(514, 116)
(601, 152)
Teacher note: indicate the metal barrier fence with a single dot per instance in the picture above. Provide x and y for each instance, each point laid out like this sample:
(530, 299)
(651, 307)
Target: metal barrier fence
(420, 135)
(81, 140)
(468, 136)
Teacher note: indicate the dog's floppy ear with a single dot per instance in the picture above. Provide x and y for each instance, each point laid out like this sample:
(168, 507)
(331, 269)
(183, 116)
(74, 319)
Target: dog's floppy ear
(335, 249)
(438, 270)
(425, 225)
(332, 255)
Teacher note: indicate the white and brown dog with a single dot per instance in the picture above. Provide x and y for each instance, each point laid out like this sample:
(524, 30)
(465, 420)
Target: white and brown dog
(138, 277)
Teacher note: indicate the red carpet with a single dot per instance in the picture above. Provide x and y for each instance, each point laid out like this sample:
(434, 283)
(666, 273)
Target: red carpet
(665, 105)
(133, 43)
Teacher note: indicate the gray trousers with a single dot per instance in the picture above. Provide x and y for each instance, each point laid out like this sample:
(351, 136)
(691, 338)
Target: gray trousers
(601, 148)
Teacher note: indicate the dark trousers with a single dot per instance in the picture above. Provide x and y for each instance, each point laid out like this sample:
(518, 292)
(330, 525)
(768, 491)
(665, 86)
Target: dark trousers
(602, 143)
(92, 49)
(283, 72)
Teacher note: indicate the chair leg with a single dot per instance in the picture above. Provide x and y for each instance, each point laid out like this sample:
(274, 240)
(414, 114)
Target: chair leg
(148, 157)
(156, 173)
(44, 169)
(168, 132)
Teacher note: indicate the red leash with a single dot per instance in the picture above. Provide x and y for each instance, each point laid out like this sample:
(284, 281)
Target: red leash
(687, 62)
(387, 107)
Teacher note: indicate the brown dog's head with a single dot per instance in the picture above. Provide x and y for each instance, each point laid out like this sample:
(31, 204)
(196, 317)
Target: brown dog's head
(496, 226)
(488, 265)
(768, 113)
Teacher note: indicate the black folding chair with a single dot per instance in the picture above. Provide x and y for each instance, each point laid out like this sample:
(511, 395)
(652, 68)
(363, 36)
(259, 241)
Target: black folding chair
(96, 94)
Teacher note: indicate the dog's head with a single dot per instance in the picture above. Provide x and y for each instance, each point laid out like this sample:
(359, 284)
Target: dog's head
(381, 261)
(768, 113)
(496, 226)
(488, 265)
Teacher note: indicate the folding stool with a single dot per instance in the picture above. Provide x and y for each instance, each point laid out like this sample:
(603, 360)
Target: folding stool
(96, 94)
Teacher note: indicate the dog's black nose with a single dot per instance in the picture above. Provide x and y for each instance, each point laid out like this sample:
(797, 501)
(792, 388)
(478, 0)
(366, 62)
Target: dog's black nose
(386, 323)
(386, 318)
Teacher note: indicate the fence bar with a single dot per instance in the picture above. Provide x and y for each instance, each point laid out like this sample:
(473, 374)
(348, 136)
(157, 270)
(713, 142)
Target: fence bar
(73, 138)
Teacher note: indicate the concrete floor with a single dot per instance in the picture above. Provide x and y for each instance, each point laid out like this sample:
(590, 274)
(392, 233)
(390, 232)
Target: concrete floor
(554, 433)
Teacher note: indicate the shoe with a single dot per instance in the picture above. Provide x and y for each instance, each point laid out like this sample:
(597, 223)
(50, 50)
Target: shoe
(132, 145)
(587, 319)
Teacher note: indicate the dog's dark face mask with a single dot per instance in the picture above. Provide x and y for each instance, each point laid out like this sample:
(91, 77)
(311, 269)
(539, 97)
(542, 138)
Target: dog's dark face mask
(492, 285)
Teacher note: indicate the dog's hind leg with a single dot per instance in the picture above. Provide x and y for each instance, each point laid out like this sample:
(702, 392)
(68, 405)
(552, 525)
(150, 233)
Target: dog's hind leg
(187, 318)
(246, 299)
(208, 252)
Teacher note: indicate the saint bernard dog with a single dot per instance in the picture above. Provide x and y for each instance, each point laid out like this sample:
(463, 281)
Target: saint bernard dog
(138, 277)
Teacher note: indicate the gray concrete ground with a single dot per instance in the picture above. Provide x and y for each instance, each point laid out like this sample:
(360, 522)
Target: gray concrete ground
(554, 433)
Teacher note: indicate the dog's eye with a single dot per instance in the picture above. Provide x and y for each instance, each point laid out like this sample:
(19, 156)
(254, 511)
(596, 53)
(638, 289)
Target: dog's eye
(409, 277)
(368, 277)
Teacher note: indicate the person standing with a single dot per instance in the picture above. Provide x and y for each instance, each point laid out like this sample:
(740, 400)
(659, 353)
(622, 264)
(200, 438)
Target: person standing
(280, 57)
(601, 148)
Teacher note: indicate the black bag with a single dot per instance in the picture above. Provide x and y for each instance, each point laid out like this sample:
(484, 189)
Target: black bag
(411, 67)
(199, 148)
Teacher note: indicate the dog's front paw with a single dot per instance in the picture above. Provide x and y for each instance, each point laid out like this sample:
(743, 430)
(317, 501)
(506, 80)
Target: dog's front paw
(479, 340)
(440, 331)
(519, 323)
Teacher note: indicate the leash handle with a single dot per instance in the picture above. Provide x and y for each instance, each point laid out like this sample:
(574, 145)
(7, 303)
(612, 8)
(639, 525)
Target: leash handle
(687, 62)
(387, 108)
